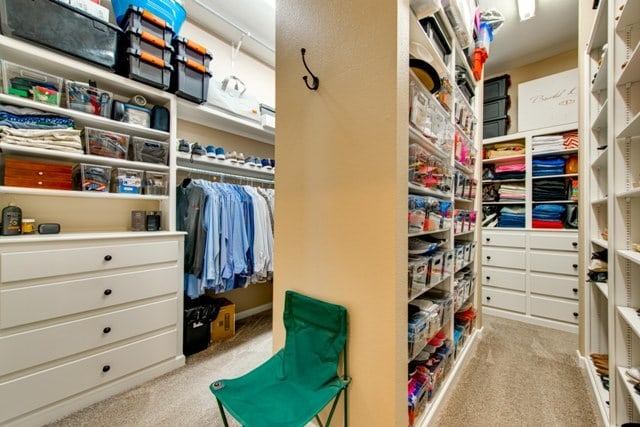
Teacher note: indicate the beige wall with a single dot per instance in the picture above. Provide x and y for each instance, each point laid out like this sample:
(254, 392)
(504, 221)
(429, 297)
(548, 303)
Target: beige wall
(555, 64)
(341, 201)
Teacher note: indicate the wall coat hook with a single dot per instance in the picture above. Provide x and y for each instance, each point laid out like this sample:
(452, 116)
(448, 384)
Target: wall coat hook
(315, 82)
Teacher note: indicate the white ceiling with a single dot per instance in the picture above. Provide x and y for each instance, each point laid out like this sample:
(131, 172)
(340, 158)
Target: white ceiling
(553, 30)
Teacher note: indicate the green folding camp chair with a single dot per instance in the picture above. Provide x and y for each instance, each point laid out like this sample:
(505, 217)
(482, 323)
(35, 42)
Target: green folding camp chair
(295, 384)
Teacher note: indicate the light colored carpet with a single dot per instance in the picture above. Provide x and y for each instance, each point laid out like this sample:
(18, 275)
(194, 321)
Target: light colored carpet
(518, 375)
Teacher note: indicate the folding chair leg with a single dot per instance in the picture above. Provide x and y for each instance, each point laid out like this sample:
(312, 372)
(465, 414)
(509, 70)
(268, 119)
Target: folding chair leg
(224, 417)
(333, 408)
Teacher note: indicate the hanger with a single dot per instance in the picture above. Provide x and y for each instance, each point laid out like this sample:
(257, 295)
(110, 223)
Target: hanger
(187, 180)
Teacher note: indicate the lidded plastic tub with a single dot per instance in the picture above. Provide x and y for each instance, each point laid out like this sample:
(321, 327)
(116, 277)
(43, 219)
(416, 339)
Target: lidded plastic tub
(170, 11)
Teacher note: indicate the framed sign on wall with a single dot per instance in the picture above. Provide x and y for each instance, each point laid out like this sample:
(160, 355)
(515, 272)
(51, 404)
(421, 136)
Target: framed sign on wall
(548, 101)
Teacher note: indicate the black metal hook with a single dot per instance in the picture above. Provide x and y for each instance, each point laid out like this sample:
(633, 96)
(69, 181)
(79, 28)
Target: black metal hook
(316, 81)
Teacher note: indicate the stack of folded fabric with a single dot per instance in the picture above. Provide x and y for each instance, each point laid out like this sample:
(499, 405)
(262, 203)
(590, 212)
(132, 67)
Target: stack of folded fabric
(571, 140)
(510, 192)
(546, 144)
(29, 118)
(67, 140)
(545, 166)
(510, 171)
(505, 149)
(490, 193)
(512, 216)
(550, 189)
(548, 216)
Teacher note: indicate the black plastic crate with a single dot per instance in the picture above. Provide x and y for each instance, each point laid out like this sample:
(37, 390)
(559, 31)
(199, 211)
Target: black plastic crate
(496, 87)
(145, 41)
(190, 80)
(433, 29)
(496, 127)
(138, 18)
(149, 69)
(497, 108)
(61, 27)
(191, 50)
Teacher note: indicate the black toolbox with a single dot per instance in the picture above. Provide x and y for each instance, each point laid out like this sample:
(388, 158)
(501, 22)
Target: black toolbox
(496, 108)
(138, 18)
(145, 68)
(496, 127)
(61, 27)
(145, 41)
(190, 80)
(191, 50)
(496, 87)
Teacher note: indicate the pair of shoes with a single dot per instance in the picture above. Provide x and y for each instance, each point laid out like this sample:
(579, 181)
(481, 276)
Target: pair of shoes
(184, 146)
(601, 364)
(197, 150)
(268, 163)
(599, 357)
(253, 162)
(602, 371)
(215, 152)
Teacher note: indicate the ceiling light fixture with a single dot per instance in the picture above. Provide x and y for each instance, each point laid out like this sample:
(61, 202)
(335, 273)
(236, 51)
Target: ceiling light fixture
(526, 9)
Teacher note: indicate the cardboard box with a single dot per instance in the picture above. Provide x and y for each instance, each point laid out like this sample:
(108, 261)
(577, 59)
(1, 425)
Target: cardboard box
(224, 326)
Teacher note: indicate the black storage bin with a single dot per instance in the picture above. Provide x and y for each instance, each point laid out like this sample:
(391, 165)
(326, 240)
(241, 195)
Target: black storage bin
(496, 87)
(198, 315)
(433, 29)
(497, 108)
(61, 27)
(496, 127)
(149, 69)
(144, 41)
(190, 80)
(192, 50)
(138, 18)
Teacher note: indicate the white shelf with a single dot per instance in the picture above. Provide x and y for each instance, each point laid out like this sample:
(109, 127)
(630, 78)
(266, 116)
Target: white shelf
(566, 175)
(601, 119)
(425, 233)
(630, 255)
(600, 201)
(599, 29)
(416, 189)
(76, 194)
(416, 293)
(601, 160)
(631, 193)
(554, 153)
(603, 288)
(600, 242)
(87, 236)
(602, 395)
(78, 157)
(86, 119)
(500, 181)
(30, 55)
(631, 317)
(504, 159)
(215, 118)
(463, 168)
(556, 202)
(185, 160)
(464, 233)
(600, 82)
(632, 129)
(505, 203)
(628, 383)
(631, 72)
(416, 136)
(629, 16)
(463, 200)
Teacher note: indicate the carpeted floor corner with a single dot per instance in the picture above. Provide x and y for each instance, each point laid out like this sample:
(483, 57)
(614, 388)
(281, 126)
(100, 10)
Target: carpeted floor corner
(520, 375)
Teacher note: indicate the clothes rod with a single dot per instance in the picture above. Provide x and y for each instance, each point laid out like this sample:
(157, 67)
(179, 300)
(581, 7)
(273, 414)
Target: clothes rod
(223, 174)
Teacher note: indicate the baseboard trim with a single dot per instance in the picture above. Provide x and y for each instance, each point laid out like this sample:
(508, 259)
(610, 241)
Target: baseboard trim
(255, 310)
(531, 320)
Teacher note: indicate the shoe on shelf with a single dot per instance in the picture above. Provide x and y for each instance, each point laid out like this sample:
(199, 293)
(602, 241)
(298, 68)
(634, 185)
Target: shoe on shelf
(635, 247)
(211, 151)
(634, 374)
(183, 145)
(597, 356)
(602, 371)
(197, 149)
(250, 162)
(257, 161)
(266, 164)
(232, 157)
(240, 158)
(272, 163)
(220, 153)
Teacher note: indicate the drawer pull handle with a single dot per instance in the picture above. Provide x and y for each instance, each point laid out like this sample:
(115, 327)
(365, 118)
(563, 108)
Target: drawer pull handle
(575, 314)
(106, 330)
(40, 173)
(488, 257)
(488, 298)
(574, 244)
(107, 291)
(106, 368)
(575, 290)
(488, 277)
(575, 265)
(108, 257)
(488, 239)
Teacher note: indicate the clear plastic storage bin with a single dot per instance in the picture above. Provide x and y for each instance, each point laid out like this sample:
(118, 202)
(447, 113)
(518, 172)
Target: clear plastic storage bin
(155, 183)
(82, 97)
(128, 181)
(30, 83)
(148, 150)
(106, 143)
(88, 177)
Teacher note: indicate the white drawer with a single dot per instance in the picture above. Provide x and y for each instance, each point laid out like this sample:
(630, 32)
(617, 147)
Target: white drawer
(72, 259)
(50, 385)
(506, 238)
(20, 306)
(507, 279)
(509, 258)
(554, 241)
(557, 286)
(554, 262)
(506, 300)
(27, 349)
(550, 308)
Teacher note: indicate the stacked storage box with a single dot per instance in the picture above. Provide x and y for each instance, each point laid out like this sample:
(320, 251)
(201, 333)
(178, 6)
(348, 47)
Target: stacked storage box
(496, 106)
(191, 64)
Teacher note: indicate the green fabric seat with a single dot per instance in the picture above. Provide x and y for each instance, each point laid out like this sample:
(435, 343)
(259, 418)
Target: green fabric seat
(297, 382)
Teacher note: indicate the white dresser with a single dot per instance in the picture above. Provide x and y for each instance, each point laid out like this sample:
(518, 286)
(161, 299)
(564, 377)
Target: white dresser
(531, 276)
(83, 317)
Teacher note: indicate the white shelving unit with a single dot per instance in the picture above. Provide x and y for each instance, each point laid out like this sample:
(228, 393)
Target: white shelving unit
(612, 325)
(429, 145)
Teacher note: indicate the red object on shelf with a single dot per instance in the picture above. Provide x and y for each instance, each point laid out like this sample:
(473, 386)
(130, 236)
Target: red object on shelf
(479, 58)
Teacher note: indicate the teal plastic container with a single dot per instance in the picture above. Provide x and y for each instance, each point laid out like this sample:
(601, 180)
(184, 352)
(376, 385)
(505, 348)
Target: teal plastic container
(171, 11)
